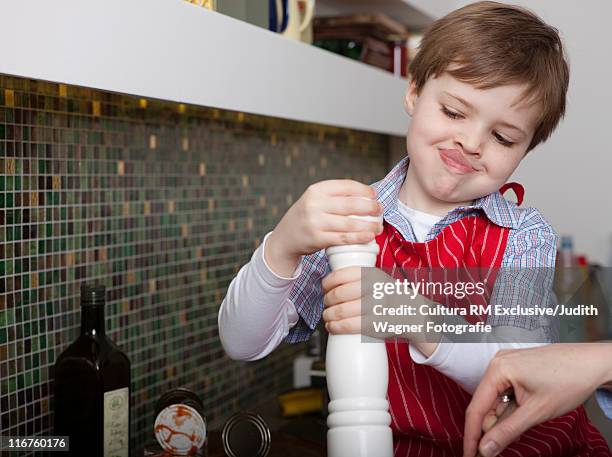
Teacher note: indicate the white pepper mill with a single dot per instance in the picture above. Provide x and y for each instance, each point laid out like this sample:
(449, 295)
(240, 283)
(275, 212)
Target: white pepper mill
(357, 377)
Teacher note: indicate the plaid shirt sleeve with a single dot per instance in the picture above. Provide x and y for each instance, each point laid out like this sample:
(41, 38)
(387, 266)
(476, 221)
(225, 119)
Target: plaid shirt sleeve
(307, 296)
(604, 398)
(527, 277)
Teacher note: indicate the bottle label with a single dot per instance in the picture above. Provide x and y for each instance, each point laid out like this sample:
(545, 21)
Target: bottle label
(116, 423)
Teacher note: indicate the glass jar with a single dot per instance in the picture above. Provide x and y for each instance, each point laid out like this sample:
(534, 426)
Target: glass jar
(180, 424)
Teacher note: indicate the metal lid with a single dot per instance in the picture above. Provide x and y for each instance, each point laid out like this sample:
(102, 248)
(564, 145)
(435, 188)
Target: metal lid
(180, 430)
(246, 435)
(180, 395)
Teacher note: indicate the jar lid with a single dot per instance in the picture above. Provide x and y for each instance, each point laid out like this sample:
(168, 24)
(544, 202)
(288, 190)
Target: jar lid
(180, 430)
(246, 435)
(180, 395)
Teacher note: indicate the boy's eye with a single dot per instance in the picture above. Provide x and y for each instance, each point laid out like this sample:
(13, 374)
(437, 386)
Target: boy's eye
(502, 140)
(453, 115)
(450, 113)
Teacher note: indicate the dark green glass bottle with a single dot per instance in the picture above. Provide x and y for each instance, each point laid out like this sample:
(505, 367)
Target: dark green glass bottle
(92, 386)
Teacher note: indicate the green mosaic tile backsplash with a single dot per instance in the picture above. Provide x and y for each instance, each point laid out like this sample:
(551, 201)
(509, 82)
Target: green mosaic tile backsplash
(161, 202)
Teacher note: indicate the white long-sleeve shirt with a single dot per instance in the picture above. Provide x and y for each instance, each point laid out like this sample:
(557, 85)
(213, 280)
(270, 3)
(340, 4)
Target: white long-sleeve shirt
(256, 316)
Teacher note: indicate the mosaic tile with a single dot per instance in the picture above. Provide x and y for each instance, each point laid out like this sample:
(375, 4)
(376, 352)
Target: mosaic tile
(163, 203)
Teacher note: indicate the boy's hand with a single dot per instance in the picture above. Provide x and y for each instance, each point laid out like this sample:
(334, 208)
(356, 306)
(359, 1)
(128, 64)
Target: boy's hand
(319, 220)
(344, 313)
(342, 300)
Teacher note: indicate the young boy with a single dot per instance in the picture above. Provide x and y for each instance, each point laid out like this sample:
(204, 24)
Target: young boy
(487, 86)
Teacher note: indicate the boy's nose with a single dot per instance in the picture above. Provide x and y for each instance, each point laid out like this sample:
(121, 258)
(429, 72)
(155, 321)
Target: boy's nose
(470, 143)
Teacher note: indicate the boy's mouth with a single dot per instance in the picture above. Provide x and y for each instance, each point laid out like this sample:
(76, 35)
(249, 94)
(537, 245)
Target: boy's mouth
(454, 159)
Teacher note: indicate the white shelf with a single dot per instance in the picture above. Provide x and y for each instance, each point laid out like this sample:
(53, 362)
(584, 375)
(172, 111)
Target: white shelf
(172, 50)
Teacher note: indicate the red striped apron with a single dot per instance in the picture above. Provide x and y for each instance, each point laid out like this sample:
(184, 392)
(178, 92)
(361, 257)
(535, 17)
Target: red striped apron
(427, 408)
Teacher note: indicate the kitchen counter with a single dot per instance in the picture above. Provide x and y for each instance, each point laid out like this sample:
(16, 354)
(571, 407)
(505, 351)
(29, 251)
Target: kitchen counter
(283, 445)
(297, 436)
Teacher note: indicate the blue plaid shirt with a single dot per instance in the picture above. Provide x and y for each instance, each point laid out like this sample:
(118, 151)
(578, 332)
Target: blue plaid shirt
(532, 244)
(604, 397)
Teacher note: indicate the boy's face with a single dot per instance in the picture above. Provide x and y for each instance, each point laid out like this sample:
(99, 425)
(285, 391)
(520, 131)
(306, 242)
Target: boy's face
(461, 142)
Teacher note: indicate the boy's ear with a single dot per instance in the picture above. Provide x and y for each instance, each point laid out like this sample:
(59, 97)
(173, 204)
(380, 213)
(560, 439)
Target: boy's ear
(411, 96)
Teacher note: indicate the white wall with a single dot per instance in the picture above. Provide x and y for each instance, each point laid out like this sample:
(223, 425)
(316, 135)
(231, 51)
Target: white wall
(569, 178)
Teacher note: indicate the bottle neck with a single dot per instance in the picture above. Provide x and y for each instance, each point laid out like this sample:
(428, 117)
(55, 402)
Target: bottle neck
(92, 320)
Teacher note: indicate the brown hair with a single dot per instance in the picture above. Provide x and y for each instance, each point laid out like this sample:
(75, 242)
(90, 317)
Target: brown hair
(491, 44)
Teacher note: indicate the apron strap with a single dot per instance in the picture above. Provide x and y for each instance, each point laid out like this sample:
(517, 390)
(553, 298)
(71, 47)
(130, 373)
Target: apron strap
(518, 190)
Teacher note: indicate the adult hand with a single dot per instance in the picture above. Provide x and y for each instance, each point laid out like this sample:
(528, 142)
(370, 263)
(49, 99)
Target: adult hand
(548, 381)
(318, 219)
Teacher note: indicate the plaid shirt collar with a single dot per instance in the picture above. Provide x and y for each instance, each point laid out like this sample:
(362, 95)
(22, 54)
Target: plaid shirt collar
(497, 209)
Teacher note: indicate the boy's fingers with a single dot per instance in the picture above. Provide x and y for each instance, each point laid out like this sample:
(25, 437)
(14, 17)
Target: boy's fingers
(347, 187)
(352, 325)
(342, 293)
(334, 223)
(346, 310)
(341, 276)
(353, 205)
(342, 238)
